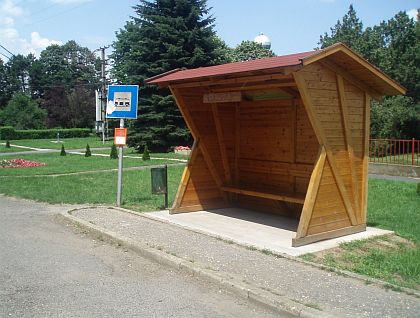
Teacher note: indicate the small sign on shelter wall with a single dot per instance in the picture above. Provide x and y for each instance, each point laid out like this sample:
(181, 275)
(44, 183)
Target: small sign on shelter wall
(228, 97)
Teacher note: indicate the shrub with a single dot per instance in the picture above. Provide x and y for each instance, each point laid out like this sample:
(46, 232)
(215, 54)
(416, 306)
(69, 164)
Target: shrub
(114, 152)
(63, 151)
(418, 188)
(88, 153)
(9, 133)
(8, 144)
(146, 154)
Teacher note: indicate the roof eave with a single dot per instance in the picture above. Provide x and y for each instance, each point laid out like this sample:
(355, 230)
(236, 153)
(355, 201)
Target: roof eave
(325, 53)
(221, 76)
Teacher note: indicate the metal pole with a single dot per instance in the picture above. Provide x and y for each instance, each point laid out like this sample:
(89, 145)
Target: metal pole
(412, 151)
(167, 190)
(120, 166)
(103, 92)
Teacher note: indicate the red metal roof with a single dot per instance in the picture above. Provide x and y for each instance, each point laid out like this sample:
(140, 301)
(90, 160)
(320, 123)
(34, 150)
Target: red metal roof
(231, 68)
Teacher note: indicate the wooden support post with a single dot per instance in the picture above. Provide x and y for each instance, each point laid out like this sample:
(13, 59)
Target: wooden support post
(195, 132)
(349, 144)
(311, 194)
(365, 157)
(186, 176)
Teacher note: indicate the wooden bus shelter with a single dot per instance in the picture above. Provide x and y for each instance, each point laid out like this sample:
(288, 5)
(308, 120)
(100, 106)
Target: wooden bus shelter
(286, 135)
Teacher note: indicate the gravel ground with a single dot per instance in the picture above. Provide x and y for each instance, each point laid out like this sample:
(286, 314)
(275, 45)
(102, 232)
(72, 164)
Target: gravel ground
(316, 288)
(51, 270)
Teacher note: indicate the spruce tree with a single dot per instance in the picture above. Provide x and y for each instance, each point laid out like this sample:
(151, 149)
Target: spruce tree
(63, 151)
(146, 154)
(88, 153)
(7, 144)
(114, 152)
(164, 35)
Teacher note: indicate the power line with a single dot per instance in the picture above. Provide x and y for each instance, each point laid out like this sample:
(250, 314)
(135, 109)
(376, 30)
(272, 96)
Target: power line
(53, 16)
(5, 56)
(6, 50)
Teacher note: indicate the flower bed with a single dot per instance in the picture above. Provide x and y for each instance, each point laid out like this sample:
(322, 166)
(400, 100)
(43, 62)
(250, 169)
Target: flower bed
(19, 163)
(183, 150)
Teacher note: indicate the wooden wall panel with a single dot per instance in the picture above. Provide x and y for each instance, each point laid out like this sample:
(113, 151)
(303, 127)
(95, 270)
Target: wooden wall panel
(329, 212)
(336, 111)
(266, 131)
(201, 191)
(306, 143)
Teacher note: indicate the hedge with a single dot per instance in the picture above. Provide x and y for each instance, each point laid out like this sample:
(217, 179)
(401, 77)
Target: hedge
(9, 133)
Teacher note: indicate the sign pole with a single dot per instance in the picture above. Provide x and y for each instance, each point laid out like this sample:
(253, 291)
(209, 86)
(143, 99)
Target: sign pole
(120, 166)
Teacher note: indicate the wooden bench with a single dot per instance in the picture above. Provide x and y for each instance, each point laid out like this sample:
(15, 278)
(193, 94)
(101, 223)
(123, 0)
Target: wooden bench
(288, 197)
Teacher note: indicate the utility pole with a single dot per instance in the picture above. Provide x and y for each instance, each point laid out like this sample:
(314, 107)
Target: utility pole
(103, 93)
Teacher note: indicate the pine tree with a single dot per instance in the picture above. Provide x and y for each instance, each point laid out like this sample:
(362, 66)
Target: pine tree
(146, 154)
(164, 35)
(88, 153)
(7, 144)
(63, 151)
(348, 31)
(114, 152)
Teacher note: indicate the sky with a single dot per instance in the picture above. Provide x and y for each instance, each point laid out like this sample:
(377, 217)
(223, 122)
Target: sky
(28, 26)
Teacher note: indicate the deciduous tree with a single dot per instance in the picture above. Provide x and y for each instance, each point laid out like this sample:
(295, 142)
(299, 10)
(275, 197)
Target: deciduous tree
(22, 112)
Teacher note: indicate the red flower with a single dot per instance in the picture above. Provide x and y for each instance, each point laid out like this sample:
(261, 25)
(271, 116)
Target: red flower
(19, 163)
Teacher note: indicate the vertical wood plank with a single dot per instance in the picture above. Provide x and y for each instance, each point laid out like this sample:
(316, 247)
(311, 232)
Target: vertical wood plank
(365, 157)
(293, 141)
(311, 194)
(349, 144)
(222, 145)
(237, 140)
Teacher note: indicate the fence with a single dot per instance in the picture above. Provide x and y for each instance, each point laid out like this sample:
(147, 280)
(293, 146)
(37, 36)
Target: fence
(395, 151)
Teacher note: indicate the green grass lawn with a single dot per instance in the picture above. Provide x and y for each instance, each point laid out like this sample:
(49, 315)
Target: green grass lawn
(56, 164)
(395, 206)
(69, 143)
(3, 149)
(94, 188)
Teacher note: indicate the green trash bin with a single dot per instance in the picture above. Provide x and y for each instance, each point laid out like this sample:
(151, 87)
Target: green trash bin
(159, 177)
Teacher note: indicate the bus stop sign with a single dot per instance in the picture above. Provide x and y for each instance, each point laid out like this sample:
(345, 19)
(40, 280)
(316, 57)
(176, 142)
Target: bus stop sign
(122, 101)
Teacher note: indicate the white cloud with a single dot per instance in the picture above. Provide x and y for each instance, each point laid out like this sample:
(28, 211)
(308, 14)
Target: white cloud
(412, 14)
(69, 1)
(39, 42)
(9, 34)
(8, 8)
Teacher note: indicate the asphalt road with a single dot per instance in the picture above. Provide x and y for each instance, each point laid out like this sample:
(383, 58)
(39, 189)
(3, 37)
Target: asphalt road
(52, 270)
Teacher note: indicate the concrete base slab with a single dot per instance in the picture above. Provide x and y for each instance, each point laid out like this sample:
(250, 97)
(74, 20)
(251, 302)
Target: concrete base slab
(251, 228)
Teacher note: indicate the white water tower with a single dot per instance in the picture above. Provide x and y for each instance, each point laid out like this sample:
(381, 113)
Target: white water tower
(263, 40)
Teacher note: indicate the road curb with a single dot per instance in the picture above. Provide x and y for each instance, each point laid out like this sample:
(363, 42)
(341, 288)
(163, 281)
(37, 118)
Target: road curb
(359, 277)
(277, 303)
(351, 275)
